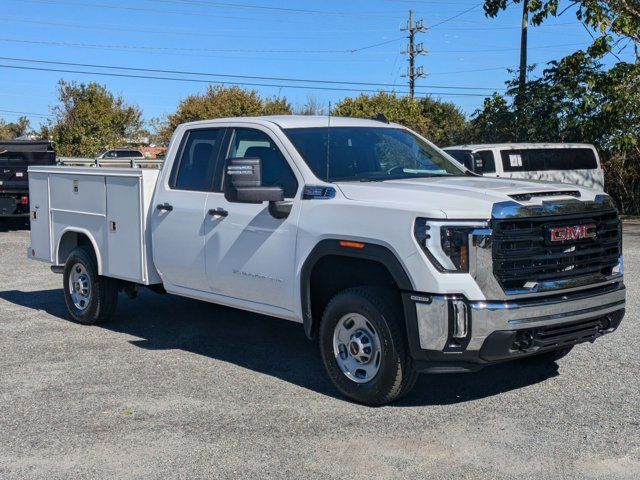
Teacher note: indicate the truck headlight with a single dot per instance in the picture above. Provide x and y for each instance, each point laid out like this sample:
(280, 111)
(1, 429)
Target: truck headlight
(446, 244)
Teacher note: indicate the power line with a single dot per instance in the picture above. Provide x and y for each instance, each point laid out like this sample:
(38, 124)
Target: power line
(219, 32)
(224, 75)
(196, 80)
(13, 112)
(184, 51)
(274, 9)
(458, 15)
(158, 11)
(189, 49)
(354, 50)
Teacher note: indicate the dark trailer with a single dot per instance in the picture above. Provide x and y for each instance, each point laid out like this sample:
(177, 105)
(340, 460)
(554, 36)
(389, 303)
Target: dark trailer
(15, 158)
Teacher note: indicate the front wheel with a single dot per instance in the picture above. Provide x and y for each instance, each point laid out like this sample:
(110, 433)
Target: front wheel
(91, 299)
(363, 346)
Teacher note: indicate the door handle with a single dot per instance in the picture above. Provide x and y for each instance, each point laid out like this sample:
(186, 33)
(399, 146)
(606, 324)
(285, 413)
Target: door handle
(218, 212)
(165, 207)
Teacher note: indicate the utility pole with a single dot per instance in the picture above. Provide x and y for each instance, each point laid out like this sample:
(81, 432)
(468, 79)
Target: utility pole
(414, 73)
(523, 47)
(522, 81)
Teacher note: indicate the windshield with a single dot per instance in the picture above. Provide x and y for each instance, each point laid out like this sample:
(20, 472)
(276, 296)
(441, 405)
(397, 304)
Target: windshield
(369, 154)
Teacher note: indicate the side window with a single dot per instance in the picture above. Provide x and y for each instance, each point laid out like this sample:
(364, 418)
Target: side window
(276, 172)
(488, 161)
(130, 154)
(513, 161)
(198, 158)
(539, 159)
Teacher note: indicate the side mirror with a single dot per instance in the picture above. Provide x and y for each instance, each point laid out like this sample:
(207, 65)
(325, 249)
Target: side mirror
(243, 182)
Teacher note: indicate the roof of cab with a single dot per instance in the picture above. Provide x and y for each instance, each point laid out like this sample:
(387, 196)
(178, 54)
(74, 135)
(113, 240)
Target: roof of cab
(508, 146)
(301, 121)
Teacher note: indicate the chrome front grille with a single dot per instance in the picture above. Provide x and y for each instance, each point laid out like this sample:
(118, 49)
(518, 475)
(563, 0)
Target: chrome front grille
(524, 255)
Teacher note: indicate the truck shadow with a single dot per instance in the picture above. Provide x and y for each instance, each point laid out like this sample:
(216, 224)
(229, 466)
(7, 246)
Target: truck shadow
(267, 345)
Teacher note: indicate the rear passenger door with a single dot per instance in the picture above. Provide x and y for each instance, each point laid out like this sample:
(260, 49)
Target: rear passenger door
(178, 218)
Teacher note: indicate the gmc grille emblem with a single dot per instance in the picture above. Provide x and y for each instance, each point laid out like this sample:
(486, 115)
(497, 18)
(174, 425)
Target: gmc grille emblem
(576, 232)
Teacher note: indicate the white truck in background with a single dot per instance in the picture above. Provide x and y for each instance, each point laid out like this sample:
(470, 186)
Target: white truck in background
(572, 163)
(386, 249)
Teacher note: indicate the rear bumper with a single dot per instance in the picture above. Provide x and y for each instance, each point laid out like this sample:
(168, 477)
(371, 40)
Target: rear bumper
(10, 205)
(449, 333)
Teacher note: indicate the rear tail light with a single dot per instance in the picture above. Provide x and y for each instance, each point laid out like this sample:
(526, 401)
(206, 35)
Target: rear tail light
(24, 200)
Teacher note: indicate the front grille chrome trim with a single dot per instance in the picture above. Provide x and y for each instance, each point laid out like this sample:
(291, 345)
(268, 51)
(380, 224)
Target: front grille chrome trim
(482, 243)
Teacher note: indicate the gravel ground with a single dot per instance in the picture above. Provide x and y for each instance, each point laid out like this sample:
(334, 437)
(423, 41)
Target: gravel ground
(174, 388)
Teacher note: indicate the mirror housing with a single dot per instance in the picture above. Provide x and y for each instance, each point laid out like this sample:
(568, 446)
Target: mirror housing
(243, 183)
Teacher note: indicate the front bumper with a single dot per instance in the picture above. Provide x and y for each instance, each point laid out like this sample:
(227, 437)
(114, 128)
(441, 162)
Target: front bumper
(450, 333)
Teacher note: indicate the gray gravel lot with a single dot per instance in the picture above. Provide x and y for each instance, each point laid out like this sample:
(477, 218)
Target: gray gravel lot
(174, 388)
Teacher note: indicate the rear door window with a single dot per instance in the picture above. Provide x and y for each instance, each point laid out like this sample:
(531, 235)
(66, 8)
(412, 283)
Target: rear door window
(198, 159)
(541, 159)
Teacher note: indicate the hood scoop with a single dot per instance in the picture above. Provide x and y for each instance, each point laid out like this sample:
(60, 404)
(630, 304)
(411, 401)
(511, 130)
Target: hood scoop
(525, 197)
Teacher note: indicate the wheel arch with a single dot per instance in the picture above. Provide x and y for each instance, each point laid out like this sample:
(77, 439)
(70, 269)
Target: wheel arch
(73, 237)
(380, 262)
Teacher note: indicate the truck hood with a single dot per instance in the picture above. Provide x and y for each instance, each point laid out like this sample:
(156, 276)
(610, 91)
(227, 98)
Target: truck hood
(458, 197)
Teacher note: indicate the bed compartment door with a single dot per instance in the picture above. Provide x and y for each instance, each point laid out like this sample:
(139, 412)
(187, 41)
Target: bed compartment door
(40, 218)
(124, 229)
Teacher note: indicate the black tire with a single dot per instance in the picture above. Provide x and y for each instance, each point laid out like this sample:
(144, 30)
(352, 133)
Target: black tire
(396, 374)
(547, 357)
(100, 303)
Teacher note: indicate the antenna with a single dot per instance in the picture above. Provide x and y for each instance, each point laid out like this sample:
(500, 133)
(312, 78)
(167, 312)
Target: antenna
(328, 140)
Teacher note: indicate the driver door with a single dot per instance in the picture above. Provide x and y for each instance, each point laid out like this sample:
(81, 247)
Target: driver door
(250, 255)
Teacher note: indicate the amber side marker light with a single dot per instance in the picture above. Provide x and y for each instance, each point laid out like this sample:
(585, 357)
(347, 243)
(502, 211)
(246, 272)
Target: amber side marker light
(351, 244)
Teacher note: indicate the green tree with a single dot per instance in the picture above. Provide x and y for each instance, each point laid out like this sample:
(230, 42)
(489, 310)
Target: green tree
(11, 130)
(493, 123)
(277, 106)
(440, 122)
(220, 101)
(90, 118)
(447, 123)
(616, 23)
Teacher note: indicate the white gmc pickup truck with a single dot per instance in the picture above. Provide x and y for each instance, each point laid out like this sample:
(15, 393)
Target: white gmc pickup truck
(388, 251)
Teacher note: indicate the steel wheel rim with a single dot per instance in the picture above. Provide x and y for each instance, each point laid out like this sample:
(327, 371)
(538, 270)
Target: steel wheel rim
(80, 286)
(356, 346)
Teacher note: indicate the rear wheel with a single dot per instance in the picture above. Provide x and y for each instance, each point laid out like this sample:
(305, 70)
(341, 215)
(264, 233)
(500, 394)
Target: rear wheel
(91, 299)
(363, 346)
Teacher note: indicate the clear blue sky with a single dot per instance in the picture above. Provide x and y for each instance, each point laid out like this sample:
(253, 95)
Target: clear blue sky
(262, 38)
